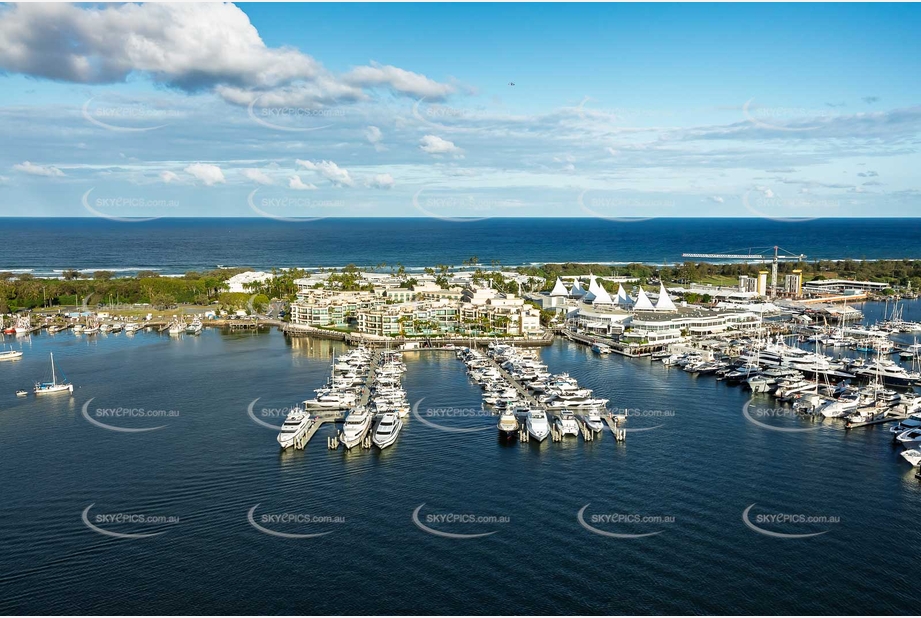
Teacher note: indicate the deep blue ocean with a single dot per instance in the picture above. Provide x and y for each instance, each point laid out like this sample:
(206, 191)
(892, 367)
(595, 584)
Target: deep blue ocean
(48, 246)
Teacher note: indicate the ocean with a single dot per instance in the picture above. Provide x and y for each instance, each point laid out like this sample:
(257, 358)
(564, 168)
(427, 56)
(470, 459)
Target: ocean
(46, 247)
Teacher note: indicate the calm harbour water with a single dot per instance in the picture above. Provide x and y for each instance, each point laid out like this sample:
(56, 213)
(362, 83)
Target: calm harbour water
(211, 464)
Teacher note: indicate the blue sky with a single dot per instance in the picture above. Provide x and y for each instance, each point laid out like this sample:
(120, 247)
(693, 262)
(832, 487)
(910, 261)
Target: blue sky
(300, 111)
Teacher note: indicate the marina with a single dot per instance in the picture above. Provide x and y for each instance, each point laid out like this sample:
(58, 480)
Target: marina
(365, 481)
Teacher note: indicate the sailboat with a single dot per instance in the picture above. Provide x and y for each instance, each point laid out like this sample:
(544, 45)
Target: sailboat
(47, 388)
(11, 354)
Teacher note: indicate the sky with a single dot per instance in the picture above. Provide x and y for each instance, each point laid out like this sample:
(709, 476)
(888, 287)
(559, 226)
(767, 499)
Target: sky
(304, 111)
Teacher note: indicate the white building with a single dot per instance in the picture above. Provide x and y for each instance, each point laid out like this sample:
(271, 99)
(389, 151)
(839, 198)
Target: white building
(238, 283)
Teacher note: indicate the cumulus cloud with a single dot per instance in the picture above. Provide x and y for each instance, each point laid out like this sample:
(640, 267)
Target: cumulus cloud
(295, 182)
(434, 145)
(381, 181)
(258, 176)
(339, 176)
(168, 176)
(188, 46)
(374, 136)
(716, 198)
(207, 173)
(48, 171)
(398, 80)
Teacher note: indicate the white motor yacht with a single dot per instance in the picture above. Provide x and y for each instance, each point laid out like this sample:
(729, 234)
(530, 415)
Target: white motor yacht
(593, 419)
(296, 423)
(567, 424)
(537, 425)
(387, 431)
(909, 438)
(331, 399)
(356, 425)
(912, 456)
(194, 328)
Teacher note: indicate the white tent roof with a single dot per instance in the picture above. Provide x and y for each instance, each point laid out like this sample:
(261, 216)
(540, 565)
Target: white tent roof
(664, 303)
(577, 289)
(622, 298)
(642, 302)
(602, 297)
(559, 289)
(593, 286)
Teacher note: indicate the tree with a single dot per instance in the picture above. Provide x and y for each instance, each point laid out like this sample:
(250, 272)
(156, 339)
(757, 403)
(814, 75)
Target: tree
(103, 275)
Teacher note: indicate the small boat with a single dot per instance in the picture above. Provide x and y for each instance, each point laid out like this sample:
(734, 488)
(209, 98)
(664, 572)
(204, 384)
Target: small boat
(175, 329)
(508, 426)
(912, 456)
(601, 348)
(194, 328)
(593, 420)
(48, 388)
(387, 431)
(11, 354)
(355, 427)
(56, 328)
(538, 427)
(131, 327)
(912, 437)
(295, 424)
(105, 328)
(567, 424)
(22, 392)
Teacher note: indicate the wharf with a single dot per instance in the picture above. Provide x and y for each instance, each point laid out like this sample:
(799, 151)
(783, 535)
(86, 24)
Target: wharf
(517, 385)
(338, 416)
(878, 421)
(633, 351)
(302, 330)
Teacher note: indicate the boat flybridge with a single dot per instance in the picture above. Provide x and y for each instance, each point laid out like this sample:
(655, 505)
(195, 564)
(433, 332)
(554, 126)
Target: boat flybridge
(387, 431)
(48, 388)
(592, 418)
(356, 425)
(567, 424)
(296, 423)
(537, 424)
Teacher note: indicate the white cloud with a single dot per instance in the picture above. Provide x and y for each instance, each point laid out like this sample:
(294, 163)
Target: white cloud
(435, 145)
(48, 171)
(381, 181)
(374, 136)
(168, 176)
(258, 176)
(330, 171)
(207, 173)
(399, 80)
(295, 182)
(186, 46)
(716, 198)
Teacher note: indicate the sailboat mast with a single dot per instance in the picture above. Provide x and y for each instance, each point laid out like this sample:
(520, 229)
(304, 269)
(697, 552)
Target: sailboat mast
(54, 379)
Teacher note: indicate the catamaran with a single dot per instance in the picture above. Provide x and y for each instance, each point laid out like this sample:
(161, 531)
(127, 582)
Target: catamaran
(47, 388)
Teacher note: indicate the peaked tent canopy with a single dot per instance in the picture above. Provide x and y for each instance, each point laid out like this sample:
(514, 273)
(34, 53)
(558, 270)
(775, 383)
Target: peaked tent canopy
(642, 302)
(664, 303)
(602, 297)
(622, 298)
(577, 290)
(559, 289)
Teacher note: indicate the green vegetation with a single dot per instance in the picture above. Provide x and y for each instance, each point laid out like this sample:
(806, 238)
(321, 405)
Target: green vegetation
(21, 292)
